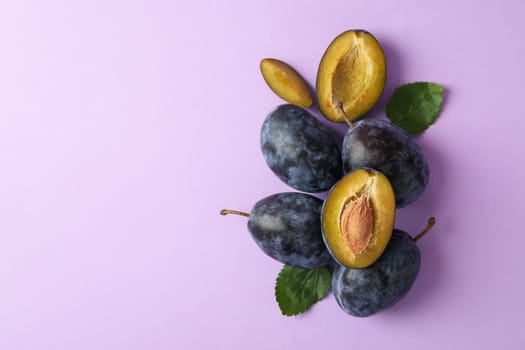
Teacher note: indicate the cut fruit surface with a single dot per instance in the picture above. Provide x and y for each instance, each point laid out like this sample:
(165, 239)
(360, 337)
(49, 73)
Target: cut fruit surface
(286, 83)
(351, 76)
(358, 218)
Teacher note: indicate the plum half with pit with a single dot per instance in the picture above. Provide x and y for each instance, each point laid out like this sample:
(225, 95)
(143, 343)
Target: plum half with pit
(358, 217)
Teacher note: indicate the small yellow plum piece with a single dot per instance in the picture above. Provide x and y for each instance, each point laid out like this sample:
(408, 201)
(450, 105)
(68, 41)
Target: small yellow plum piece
(286, 83)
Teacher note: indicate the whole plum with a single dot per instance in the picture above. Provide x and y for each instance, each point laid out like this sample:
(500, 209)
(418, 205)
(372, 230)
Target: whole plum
(300, 150)
(385, 147)
(287, 227)
(364, 292)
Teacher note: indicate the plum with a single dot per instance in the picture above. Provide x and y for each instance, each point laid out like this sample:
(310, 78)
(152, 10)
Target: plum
(383, 146)
(287, 227)
(351, 76)
(300, 150)
(358, 217)
(364, 292)
(286, 82)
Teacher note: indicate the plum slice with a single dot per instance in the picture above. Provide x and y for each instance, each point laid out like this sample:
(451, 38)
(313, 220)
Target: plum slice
(285, 82)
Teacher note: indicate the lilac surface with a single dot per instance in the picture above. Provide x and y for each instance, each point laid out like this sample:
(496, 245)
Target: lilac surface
(125, 126)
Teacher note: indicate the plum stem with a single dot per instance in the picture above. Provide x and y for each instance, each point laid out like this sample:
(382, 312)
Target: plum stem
(235, 212)
(430, 223)
(348, 121)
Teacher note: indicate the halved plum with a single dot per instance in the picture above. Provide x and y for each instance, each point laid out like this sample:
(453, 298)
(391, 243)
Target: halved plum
(358, 218)
(351, 76)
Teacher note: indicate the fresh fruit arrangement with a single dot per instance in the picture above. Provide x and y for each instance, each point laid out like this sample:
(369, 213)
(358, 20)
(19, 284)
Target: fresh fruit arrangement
(346, 242)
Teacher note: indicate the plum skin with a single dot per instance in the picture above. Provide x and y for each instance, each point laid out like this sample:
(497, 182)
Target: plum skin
(364, 292)
(300, 150)
(384, 146)
(287, 227)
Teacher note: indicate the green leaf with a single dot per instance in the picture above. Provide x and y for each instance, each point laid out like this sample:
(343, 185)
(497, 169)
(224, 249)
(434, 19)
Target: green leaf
(297, 289)
(414, 107)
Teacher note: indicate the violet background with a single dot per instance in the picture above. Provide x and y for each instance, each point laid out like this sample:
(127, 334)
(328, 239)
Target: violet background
(125, 126)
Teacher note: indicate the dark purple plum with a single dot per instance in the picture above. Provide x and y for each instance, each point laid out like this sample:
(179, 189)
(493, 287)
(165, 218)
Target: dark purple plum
(300, 150)
(364, 292)
(287, 227)
(385, 147)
